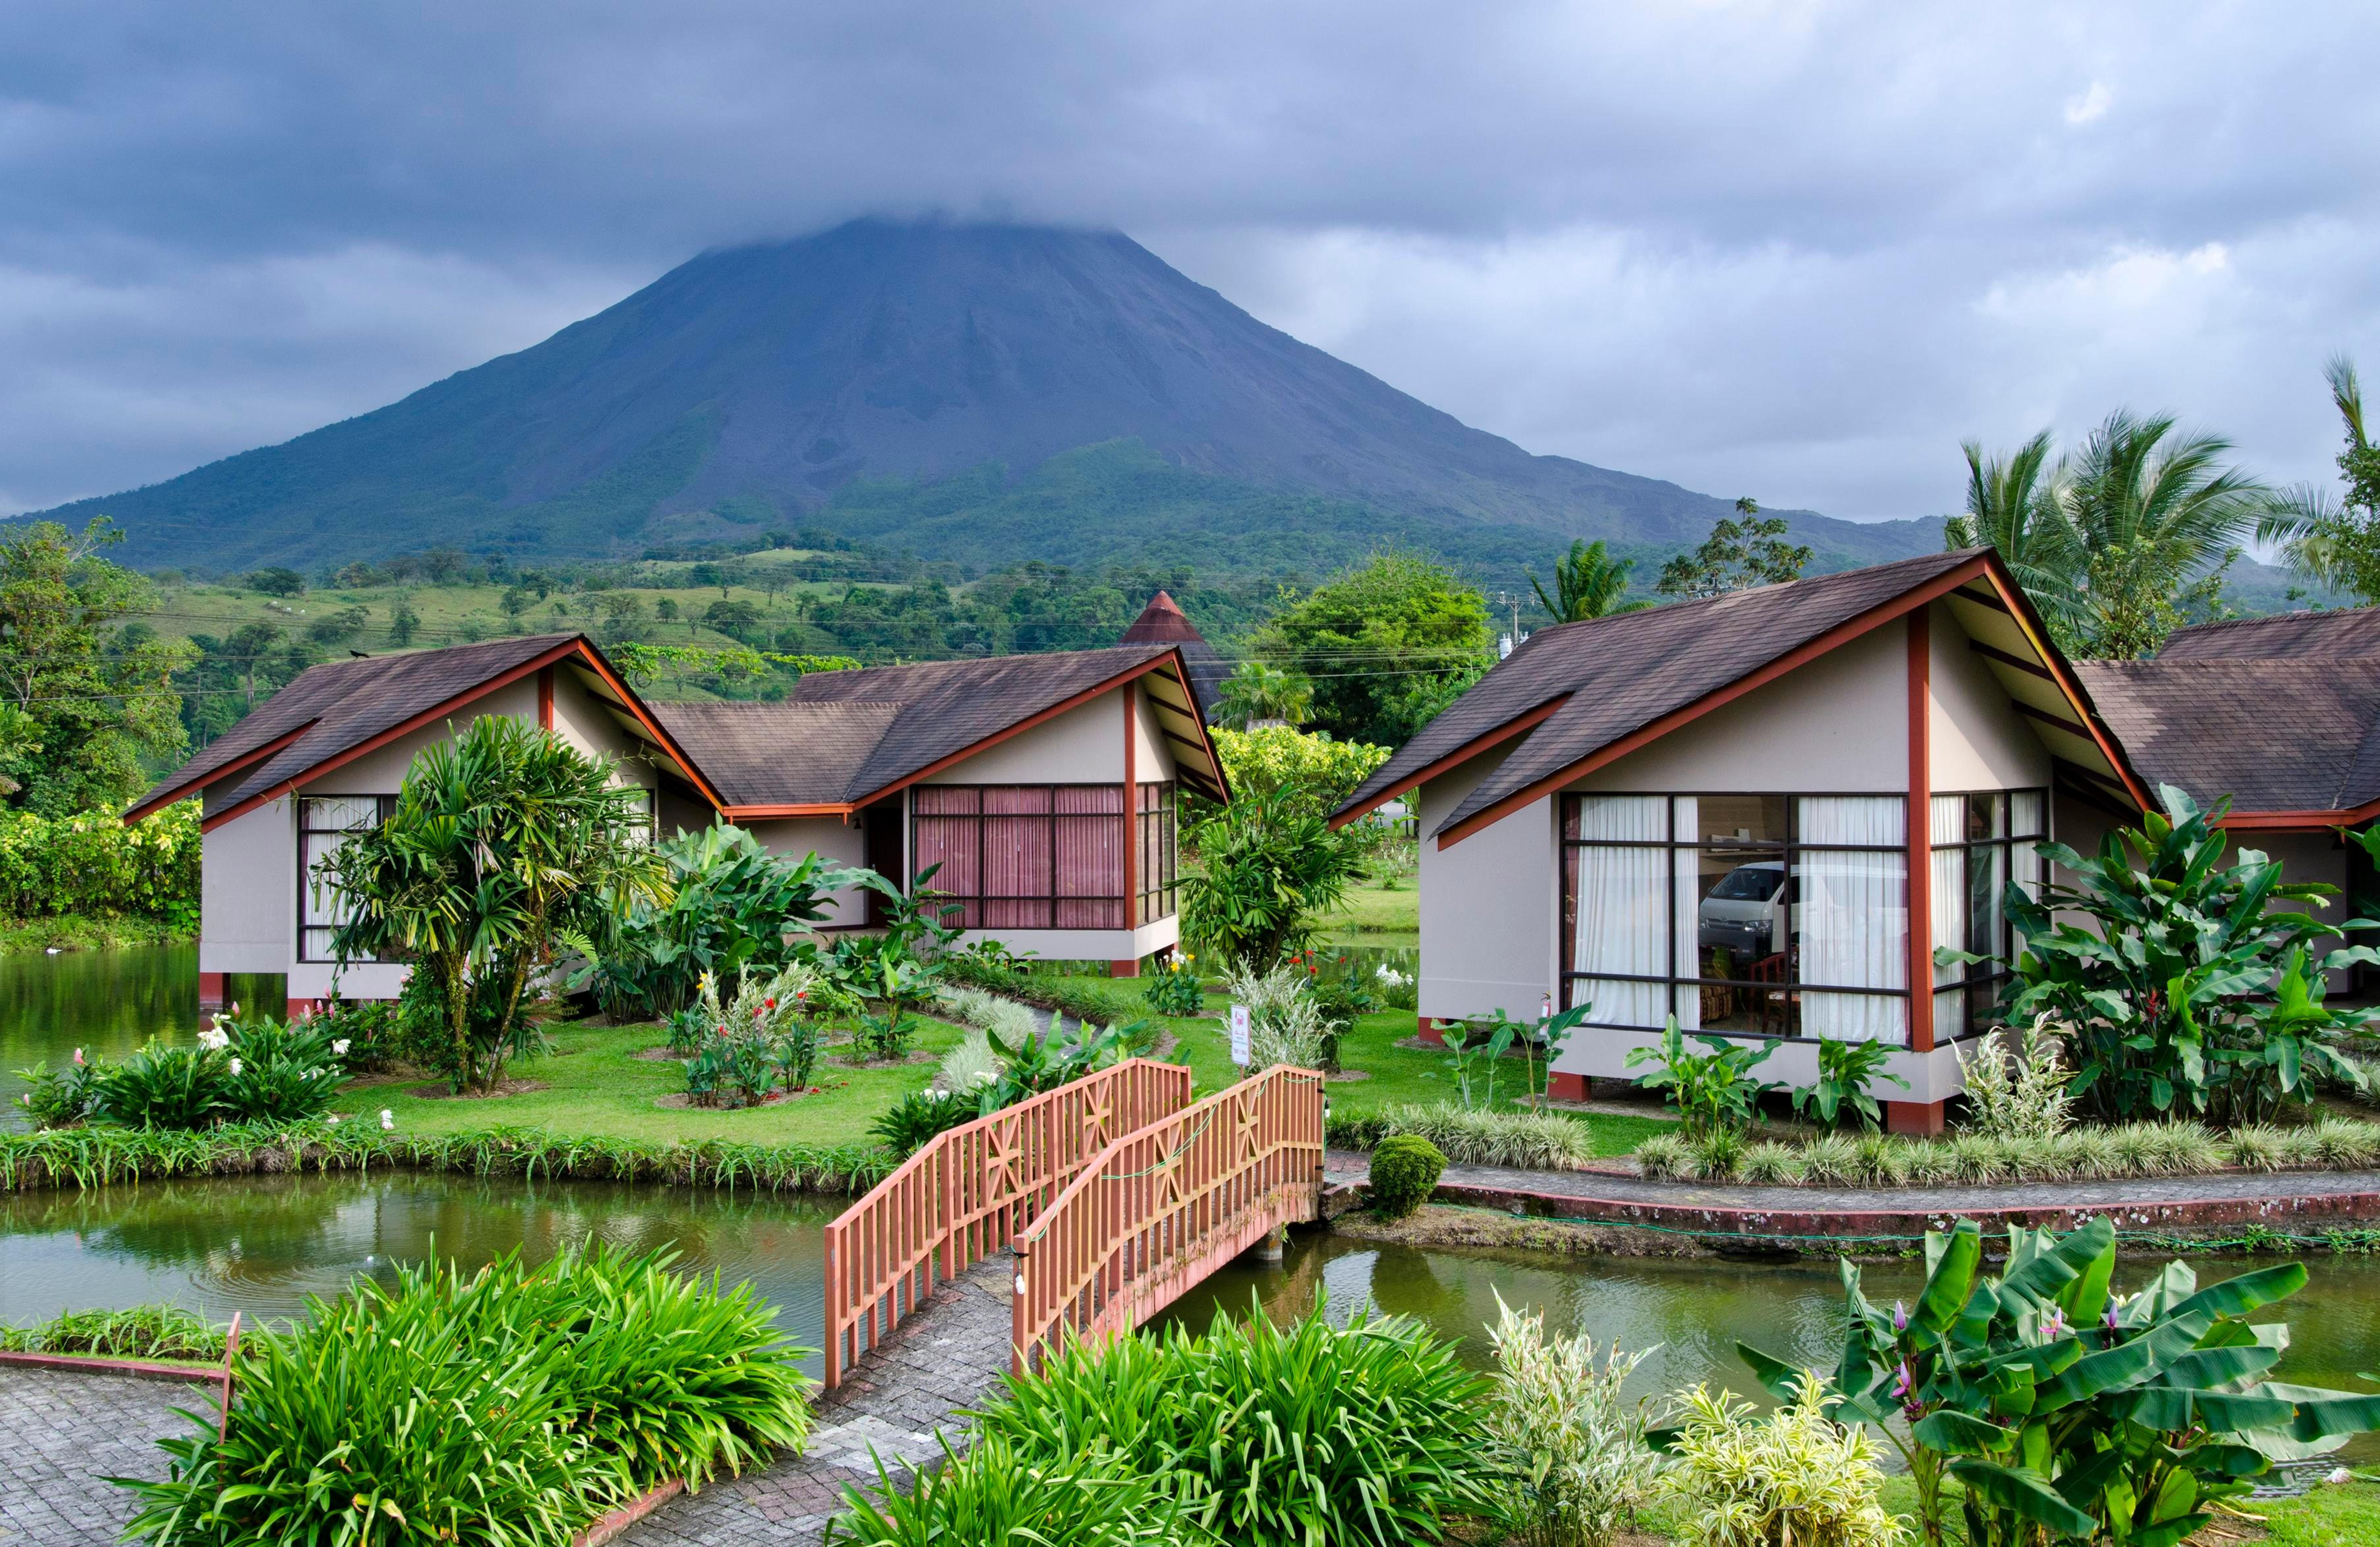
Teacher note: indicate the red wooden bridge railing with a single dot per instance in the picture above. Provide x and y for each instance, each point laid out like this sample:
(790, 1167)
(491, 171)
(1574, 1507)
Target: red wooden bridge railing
(966, 1195)
(1162, 1207)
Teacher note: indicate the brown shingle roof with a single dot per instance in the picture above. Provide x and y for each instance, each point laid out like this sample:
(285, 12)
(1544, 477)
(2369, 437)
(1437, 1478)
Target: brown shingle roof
(1619, 675)
(2214, 727)
(788, 754)
(1163, 622)
(2343, 633)
(338, 706)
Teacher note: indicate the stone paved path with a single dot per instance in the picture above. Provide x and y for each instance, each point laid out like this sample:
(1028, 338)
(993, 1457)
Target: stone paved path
(1351, 1167)
(944, 1357)
(60, 1434)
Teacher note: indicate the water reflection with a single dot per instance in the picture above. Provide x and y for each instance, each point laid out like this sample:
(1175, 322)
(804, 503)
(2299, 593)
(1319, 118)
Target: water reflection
(1697, 1311)
(260, 1245)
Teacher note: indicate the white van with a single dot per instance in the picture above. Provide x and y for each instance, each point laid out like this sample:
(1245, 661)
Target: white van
(1745, 913)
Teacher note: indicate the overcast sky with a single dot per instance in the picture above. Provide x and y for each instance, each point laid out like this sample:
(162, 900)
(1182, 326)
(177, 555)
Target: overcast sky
(1791, 250)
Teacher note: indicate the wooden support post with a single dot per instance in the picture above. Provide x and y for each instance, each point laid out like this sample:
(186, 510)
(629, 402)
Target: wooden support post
(211, 992)
(1920, 1117)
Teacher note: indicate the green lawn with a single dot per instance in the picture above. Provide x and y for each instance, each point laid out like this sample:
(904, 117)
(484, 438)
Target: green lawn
(596, 1088)
(1398, 1074)
(1390, 904)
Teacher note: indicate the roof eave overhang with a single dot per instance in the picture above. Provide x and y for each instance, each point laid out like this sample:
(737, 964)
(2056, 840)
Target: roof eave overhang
(167, 795)
(1984, 565)
(2299, 821)
(1485, 741)
(768, 811)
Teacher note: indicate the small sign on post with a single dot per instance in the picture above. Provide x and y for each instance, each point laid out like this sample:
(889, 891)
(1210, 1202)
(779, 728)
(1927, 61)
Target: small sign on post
(1240, 1035)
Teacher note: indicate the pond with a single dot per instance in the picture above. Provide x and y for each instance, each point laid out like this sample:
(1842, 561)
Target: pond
(260, 1245)
(1693, 1311)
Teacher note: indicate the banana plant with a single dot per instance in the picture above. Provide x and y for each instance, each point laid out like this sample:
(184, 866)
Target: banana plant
(2065, 1411)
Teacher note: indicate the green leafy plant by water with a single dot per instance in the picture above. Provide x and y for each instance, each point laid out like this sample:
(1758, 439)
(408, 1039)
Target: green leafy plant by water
(1794, 1477)
(1571, 1448)
(1307, 1436)
(240, 1070)
(2060, 1407)
(1713, 1092)
(1847, 1074)
(1405, 1171)
(140, 1332)
(507, 1406)
(995, 1493)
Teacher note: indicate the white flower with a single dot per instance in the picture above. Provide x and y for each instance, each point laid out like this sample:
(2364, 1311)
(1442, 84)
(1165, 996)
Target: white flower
(339, 1048)
(388, 1118)
(215, 1039)
(333, 1119)
(234, 1066)
(2338, 1475)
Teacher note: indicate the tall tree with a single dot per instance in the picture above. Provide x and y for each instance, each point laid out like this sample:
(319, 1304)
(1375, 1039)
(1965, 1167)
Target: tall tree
(1742, 551)
(1386, 646)
(1588, 582)
(88, 695)
(1258, 693)
(2335, 541)
(2155, 520)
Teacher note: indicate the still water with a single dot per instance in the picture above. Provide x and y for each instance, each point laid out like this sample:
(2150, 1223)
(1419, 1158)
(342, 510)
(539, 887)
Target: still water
(260, 1245)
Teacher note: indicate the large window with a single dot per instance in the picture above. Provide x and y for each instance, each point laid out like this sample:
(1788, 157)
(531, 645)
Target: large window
(323, 824)
(1772, 915)
(1983, 840)
(1156, 856)
(1024, 856)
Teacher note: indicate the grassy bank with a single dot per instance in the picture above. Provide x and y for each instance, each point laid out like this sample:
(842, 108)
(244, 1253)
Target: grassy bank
(76, 931)
(1388, 904)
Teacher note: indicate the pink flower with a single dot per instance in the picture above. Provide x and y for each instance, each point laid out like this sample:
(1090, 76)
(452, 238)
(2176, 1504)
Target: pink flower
(78, 1065)
(1899, 1317)
(1903, 1382)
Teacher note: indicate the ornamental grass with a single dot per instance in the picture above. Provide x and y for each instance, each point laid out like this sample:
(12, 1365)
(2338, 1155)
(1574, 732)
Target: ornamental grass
(508, 1408)
(1538, 1141)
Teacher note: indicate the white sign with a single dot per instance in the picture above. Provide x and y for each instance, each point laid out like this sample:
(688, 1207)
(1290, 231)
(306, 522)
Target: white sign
(1240, 1035)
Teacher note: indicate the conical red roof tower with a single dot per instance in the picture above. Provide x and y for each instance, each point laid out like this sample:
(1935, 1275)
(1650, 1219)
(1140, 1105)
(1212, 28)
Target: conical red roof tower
(1163, 622)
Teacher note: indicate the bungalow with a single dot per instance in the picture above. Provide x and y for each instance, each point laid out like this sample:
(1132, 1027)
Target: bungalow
(1759, 813)
(1042, 785)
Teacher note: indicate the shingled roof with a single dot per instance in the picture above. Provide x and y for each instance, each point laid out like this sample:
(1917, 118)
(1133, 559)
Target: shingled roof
(341, 709)
(2209, 726)
(2343, 633)
(1163, 622)
(842, 739)
(1572, 690)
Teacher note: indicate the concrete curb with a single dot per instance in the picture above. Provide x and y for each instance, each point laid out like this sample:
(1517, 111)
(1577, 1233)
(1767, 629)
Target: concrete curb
(620, 1519)
(138, 1370)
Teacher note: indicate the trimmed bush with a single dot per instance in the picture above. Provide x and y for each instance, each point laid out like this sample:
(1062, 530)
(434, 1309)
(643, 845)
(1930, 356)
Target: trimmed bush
(508, 1405)
(140, 1332)
(1406, 1169)
(1538, 1141)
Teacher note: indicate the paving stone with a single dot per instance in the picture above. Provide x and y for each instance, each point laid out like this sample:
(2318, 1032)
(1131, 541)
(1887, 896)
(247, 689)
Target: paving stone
(62, 1433)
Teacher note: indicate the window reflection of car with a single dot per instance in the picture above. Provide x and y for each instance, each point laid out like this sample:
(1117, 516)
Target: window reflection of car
(1744, 912)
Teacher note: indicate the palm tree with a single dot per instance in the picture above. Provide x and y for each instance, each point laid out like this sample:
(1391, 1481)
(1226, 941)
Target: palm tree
(2154, 520)
(1258, 694)
(2329, 542)
(1588, 582)
(2012, 505)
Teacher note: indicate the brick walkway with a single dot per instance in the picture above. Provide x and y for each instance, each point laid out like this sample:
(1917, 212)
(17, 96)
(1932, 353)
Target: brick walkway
(61, 1434)
(943, 1358)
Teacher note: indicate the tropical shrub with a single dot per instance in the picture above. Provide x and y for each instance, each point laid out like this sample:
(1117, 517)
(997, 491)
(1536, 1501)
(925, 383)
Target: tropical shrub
(503, 839)
(368, 1030)
(729, 907)
(992, 1492)
(1846, 1070)
(2017, 1091)
(140, 1332)
(972, 1065)
(989, 1012)
(1309, 769)
(1308, 1435)
(1666, 1157)
(1795, 1477)
(1174, 988)
(741, 1048)
(1267, 869)
(917, 1118)
(1476, 1053)
(2063, 1408)
(60, 1098)
(1574, 1464)
(1285, 1022)
(1536, 1140)
(1399, 990)
(987, 963)
(1405, 1171)
(90, 862)
(558, 1392)
(241, 1071)
(1711, 1092)
(2159, 962)
(1044, 1061)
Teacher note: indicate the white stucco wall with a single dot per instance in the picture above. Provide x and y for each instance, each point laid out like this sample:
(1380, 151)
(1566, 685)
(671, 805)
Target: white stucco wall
(1084, 746)
(247, 892)
(1153, 756)
(588, 724)
(1489, 905)
(831, 837)
(1977, 740)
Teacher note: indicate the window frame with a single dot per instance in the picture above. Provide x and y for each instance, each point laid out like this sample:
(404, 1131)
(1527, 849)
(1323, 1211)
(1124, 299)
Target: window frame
(1980, 990)
(385, 807)
(1156, 830)
(1118, 907)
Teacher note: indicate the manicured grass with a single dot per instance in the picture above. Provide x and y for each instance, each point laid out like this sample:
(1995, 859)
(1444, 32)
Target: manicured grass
(1390, 904)
(594, 1087)
(1398, 1074)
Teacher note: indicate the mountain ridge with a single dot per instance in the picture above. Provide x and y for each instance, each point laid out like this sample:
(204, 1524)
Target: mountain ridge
(866, 374)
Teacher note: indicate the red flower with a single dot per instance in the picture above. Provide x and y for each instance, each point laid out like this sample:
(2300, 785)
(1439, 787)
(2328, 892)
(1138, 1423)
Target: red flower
(770, 1001)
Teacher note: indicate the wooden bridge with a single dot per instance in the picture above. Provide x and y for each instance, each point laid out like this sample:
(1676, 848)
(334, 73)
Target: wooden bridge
(1116, 1194)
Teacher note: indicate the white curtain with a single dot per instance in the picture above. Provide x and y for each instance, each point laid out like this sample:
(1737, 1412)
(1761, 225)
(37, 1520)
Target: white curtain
(1949, 828)
(1624, 909)
(1685, 871)
(1855, 916)
(2025, 817)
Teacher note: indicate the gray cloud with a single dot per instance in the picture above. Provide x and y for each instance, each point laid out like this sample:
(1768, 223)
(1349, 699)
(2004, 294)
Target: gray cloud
(1792, 249)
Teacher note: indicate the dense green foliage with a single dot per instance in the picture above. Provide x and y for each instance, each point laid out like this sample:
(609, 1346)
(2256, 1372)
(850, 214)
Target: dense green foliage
(1258, 693)
(1588, 583)
(140, 1332)
(1714, 1091)
(502, 839)
(1847, 1074)
(1306, 1436)
(2337, 542)
(90, 862)
(1386, 646)
(1744, 1479)
(1534, 1140)
(2121, 543)
(1310, 771)
(2062, 1406)
(1268, 866)
(1174, 988)
(994, 1493)
(509, 1406)
(85, 687)
(2183, 983)
(255, 1071)
(1405, 1171)
(1570, 1446)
